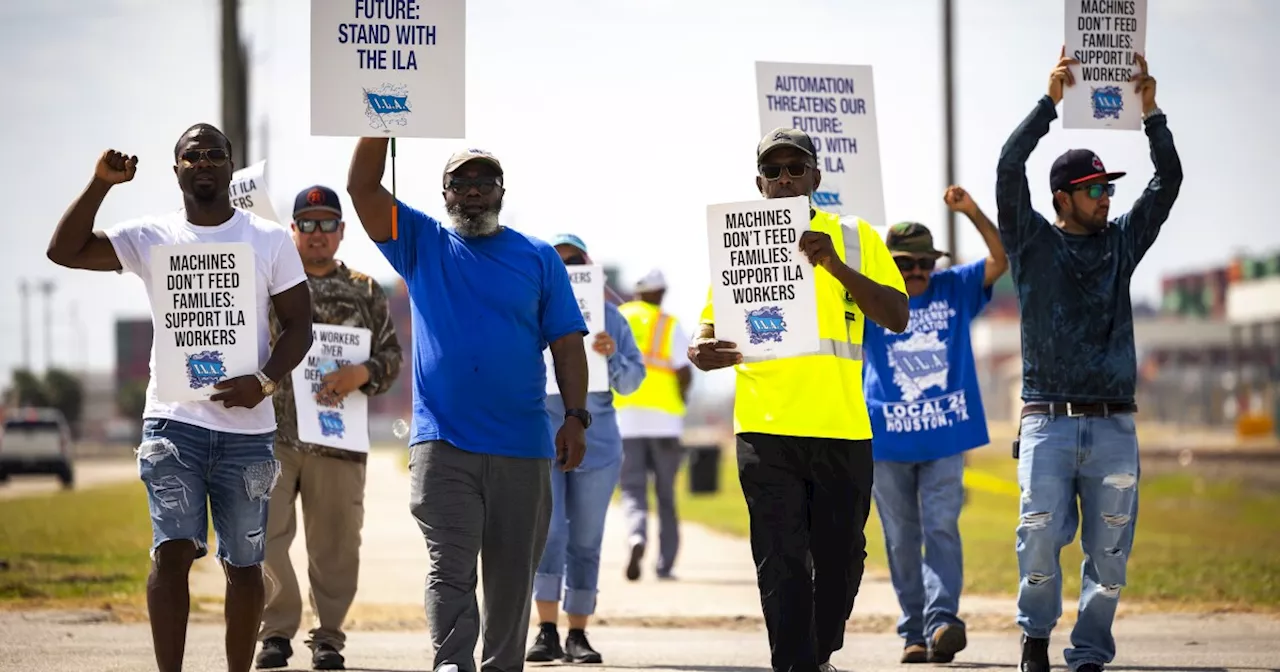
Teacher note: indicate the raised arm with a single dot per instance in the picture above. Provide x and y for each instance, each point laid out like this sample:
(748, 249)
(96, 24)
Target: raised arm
(1017, 219)
(372, 201)
(959, 200)
(1142, 224)
(75, 244)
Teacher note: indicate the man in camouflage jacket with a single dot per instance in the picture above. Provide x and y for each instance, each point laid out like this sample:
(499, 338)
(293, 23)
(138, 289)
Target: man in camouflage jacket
(329, 480)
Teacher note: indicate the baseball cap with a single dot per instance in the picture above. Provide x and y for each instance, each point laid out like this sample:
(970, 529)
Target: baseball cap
(468, 155)
(912, 238)
(1076, 166)
(785, 137)
(651, 282)
(569, 239)
(317, 197)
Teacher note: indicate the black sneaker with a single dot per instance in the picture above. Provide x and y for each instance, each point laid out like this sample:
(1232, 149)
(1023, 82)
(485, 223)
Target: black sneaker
(1035, 655)
(1089, 667)
(275, 653)
(325, 657)
(633, 565)
(578, 650)
(546, 646)
(947, 642)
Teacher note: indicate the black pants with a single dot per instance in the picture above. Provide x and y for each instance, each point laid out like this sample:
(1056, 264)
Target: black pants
(808, 499)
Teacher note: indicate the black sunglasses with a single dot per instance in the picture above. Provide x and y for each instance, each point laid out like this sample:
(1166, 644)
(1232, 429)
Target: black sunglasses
(485, 185)
(309, 225)
(215, 156)
(575, 260)
(773, 171)
(912, 263)
(1094, 191)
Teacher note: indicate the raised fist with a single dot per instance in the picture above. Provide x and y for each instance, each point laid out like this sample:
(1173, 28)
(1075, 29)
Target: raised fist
(115, 168)
(958, 200)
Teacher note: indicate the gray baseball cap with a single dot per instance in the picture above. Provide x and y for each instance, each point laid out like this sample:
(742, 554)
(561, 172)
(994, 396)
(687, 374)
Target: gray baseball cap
(467, 156)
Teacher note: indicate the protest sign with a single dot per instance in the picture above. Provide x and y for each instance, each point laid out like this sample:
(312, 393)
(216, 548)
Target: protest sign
(762, 288)
(346, 424)
(1104, 35)
(588, 289)
(384, 68)
(835, 105)
(249, 191)
(204, 306)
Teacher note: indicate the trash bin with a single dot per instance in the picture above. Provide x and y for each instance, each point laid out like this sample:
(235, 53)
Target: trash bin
(704, 469)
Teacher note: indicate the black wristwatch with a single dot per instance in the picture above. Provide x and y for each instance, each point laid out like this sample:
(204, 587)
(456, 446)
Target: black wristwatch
(581, 414)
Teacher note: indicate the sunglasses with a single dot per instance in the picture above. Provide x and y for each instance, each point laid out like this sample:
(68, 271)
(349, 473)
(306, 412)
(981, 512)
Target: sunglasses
(912, 263)
(576, 260)
(310, 225)
(773, 171)
(485, 185)
(214, 156)
(1095, 191)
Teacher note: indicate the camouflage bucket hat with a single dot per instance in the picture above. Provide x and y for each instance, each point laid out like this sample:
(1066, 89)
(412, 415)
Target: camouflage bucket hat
(912, 238)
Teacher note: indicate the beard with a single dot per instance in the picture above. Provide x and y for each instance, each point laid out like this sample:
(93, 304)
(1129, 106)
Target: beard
(478, 225)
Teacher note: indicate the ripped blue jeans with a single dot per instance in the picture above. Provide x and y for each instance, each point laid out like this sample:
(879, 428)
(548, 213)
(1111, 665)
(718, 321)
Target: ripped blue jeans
(183, 466)
(1062, 459)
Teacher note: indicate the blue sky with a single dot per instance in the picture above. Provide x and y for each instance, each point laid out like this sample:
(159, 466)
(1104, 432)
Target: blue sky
(618, 120)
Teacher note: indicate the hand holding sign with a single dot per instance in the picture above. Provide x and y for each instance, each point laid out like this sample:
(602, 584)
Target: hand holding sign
(819, 249)
(604, 344)
(709, 354)
(340, 383)
(243, 391)
(115, 168)
(1146, 84)
(1061, 76)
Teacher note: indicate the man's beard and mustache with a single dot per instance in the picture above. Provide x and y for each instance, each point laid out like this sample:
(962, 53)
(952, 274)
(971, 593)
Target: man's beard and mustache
(477, 225)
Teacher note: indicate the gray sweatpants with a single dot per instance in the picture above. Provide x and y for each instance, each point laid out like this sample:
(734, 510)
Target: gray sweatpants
(471, 505)
(661, 457)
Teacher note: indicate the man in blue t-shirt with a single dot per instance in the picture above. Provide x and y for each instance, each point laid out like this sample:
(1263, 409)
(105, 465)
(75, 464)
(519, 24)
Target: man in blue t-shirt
(486, 301)
(926, 411)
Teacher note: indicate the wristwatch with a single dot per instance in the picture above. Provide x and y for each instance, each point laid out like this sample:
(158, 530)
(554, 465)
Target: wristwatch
(581, 414)
(268, 385)
(1155, 111)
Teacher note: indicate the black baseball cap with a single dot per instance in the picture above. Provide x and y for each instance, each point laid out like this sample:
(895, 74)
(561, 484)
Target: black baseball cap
(317, 198)
(785, 137)
(1076, 166)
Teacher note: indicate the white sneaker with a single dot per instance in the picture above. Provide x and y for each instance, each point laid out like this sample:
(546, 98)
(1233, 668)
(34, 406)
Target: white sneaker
(447, 667)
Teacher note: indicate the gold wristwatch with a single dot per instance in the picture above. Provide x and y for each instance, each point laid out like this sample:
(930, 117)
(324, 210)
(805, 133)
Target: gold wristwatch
(268, 385)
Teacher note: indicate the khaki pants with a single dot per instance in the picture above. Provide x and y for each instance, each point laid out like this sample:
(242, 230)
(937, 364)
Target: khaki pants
(332, 492)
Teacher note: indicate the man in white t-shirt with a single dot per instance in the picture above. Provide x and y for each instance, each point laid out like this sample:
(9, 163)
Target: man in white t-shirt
(651, 420)
(219, 450)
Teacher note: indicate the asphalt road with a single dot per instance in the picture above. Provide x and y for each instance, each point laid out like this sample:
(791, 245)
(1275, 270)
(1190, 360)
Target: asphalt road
(89, 472)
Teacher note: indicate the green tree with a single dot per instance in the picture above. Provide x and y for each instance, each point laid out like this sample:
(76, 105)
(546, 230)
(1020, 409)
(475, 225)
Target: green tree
(131, 398)
(65, 392)
(29, 390)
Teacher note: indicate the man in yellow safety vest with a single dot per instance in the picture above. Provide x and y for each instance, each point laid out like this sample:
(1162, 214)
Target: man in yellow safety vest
(651, 420)
(803, 434)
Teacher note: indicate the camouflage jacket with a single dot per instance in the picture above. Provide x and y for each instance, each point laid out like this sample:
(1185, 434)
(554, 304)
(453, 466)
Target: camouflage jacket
(352, 299)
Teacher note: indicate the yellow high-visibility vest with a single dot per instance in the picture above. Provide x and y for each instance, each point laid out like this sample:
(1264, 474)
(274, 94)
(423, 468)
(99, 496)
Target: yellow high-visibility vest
(818, 395)
(654, 331)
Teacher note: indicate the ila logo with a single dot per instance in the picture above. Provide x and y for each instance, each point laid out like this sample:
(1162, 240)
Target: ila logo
(205, 368)
(1107, 101)
(387, 106)
(331, 424)
(766, 324)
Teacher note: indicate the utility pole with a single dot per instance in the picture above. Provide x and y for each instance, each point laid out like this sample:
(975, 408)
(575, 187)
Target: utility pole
(948, 134)
(24, 290)
(46, 287)
(235, 83)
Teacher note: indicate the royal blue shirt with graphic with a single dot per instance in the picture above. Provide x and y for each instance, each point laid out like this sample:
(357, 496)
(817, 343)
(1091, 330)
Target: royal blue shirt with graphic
(922, 385)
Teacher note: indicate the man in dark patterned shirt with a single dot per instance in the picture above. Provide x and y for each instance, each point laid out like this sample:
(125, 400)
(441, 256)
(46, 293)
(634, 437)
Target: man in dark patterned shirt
(1077, 438)
(329, 480)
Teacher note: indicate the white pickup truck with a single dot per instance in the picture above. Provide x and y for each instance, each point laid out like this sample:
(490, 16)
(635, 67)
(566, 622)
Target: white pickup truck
(36, 441)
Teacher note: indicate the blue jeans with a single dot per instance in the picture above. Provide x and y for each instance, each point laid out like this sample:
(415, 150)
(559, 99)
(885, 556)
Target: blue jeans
(183, 465)
(919, 505)
(1094, 459)
(579, 501)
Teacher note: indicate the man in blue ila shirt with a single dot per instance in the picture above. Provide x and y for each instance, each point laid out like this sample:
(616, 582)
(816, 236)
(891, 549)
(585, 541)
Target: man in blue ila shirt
(1079, 370)
(926, 411)
(486, 301)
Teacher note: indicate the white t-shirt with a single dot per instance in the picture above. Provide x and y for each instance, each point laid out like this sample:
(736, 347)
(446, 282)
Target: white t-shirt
(634, 423)
(278, 267)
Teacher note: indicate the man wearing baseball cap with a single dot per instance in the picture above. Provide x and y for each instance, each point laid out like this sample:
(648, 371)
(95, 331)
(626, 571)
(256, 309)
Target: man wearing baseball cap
(1077, 439)
(803, 435)
(487, 301)
(329, 481)
(926, 411)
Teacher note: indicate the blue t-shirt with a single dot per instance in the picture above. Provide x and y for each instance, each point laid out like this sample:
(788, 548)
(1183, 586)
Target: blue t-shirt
(483, 310)
(921, 385)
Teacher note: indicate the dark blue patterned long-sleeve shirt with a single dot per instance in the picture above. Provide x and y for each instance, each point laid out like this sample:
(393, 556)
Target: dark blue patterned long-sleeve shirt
(1073, 290)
